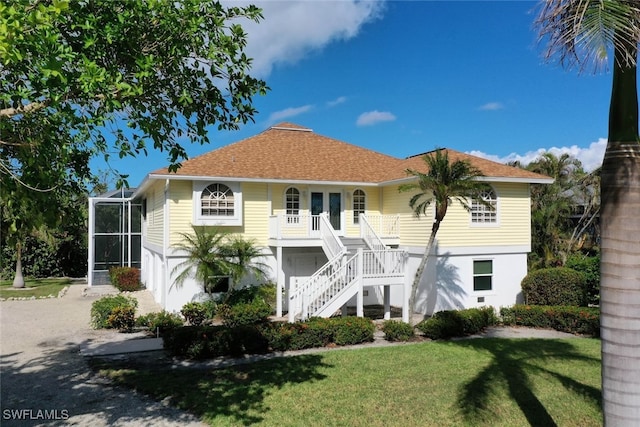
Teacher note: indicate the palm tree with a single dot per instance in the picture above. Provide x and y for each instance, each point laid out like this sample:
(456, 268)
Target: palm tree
(213, 255)
(444, 182)
(579, 32)
(243, 257)
(206, 257)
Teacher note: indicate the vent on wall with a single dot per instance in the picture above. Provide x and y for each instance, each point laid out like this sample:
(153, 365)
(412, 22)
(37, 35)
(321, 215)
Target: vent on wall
(480, 299)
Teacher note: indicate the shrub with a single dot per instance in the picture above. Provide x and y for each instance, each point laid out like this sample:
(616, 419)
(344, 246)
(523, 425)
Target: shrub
(397, 331)
(575, 320)
(160, 322)
(352, 330)
(452, 323)
(102, 308)
(125, 278)
(194, 312)
(266, 293)
(589, 266)
(122, 318)
(249, 313)
(201, 342)
(554, 286)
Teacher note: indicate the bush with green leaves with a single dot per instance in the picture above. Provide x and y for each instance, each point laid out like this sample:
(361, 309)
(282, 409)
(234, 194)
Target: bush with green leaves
(457, 323)
(589, 266)
(242, 313)
(265, 292)
(555, 286)
(202, 342)
(102, 308)
(395, 330)
(160, 322)
(574, 320)
(125, 279)
(352, 330)
(194, 312)
(122, 318)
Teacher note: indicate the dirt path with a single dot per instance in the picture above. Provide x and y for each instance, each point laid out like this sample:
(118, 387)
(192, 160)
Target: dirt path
(44, 379)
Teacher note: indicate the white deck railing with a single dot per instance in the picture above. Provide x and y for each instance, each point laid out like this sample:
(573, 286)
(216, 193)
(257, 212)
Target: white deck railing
(385, 225)
(308, 226)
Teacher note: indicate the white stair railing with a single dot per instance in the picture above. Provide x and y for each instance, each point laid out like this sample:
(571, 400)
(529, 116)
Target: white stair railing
(331, 243)
(369, 235)
(299, 298)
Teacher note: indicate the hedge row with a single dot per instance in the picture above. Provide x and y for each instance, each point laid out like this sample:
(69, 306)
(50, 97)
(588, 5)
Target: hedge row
(575, 320)
(202, 342)
(457, 323)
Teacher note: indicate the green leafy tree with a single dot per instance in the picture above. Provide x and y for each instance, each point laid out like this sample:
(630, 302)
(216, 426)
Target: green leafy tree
(552, 206)
(444, 182)
(580, 33)
(118, 76)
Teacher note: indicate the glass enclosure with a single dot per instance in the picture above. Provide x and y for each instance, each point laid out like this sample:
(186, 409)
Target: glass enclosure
(115, 234)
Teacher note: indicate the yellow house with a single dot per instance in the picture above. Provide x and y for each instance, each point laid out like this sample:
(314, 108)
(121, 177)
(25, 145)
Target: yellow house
(333, 227)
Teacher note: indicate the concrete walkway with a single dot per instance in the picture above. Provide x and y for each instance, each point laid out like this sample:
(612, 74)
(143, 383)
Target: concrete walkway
(43, 369)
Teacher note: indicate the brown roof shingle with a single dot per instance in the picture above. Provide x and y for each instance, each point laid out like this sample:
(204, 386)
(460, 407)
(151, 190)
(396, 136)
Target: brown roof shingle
(288, 151)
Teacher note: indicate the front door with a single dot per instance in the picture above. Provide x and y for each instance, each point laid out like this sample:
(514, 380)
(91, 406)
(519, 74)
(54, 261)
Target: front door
(335, 210)
(329, 203)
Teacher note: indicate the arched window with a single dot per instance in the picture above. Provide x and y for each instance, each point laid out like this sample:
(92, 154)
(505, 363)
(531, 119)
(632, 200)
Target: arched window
(217, 200)
(292, 205)
(487, 212)
(359, 201)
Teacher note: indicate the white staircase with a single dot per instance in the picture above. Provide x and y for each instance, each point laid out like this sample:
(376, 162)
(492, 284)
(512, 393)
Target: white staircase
(353, 263)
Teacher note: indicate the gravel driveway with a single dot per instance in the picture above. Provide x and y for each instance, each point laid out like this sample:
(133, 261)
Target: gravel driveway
(44, 379)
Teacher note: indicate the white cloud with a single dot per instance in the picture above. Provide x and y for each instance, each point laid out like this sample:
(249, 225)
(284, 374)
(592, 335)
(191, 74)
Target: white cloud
(591, 157)
(291, 30)
(373, 117)
(491, 106)
(337, 101)
(289, 112)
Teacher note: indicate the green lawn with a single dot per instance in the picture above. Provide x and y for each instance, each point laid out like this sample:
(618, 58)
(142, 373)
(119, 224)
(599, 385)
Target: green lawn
(478, 382)
(33, 288)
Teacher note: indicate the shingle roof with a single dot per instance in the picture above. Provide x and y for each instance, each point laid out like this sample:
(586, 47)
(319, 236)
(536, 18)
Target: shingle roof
(288, 151)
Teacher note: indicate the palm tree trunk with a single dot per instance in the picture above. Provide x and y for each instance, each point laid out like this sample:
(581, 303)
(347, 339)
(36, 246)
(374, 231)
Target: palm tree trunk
(620, 245)
(421, 267)
(18, 280)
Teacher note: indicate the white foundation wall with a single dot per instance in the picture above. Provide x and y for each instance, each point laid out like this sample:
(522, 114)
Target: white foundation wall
(172, 297)
(448, 280)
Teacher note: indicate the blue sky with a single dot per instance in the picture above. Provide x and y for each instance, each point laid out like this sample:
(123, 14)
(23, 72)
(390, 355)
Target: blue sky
(405, 77)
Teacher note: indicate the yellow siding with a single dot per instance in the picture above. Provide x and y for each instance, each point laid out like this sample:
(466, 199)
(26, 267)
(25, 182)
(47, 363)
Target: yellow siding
(180, 209)
(256, 213)
(513, 227)
(413, 231)
(155, 214)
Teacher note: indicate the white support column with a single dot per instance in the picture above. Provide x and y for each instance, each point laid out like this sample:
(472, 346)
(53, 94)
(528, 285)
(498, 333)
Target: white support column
(360, 298)
(387, 302)
(406, 310)
(279, 282)
(91, 242)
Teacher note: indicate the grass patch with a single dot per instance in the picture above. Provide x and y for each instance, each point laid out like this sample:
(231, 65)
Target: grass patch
(479, 382)
(33, 288)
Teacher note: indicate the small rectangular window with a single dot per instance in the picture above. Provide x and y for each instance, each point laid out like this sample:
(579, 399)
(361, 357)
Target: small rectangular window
(482, 275)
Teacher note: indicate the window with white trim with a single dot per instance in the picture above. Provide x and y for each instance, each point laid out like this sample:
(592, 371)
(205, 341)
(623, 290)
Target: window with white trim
(217, 203)
(487, 212)
(217, 200)
(359, 202)
(483, 275)
(292, 205)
